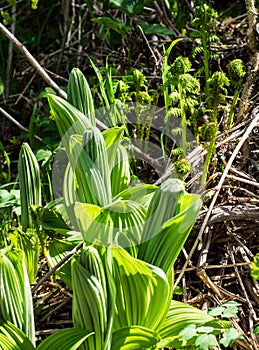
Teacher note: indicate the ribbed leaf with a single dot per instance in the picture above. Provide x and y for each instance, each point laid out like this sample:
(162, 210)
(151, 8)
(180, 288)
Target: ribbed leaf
(162, 207)
(142, 291)
(96, 262)
(79, 94)
(15, 293)
(134, 337)
(29, 182)
(122, 217)
(85, 214)
(65, 339)
(163, 248)
(12, 338)
(68, 118)
(141, 194)
(29, 243)
(89, 307)
(90, 184)
(127, 216)
(94, 145)
(120, 174)
(112, 138)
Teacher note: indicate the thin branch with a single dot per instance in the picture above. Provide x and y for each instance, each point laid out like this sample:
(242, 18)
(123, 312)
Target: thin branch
(222, 179)
(20, 126)
(32, 61)
(59, 264)
(10, 56)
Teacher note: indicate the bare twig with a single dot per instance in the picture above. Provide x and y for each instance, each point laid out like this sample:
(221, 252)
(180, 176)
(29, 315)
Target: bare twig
(59, 264)
(32, 61)
(20, 126)
(10, 56)
(222, 179)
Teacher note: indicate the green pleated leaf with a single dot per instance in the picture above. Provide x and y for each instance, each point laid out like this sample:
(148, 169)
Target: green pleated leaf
(79, 94)
(120, 174)
(143, 291)
(15, 293)
(91, 186)
(141, 194)
(163, 207)
(85, 214)
(164, 247)
(127, 216)
(12, 338)
(94, 145)
(65, 339)
(112, 138)
(96, 261)
(134, 337)
(29, 183)
(67, 117)
(89, 307)
(29, 243)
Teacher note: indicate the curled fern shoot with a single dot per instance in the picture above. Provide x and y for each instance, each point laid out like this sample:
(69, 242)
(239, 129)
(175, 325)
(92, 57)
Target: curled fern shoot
(236, 72)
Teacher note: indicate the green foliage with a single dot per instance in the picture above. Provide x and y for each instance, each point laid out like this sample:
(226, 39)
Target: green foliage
(13, 338)
(225, 310)
(130, 7)
(255, 267)
(30, 184)
(236, 72)
(15, 293)
(204, 35)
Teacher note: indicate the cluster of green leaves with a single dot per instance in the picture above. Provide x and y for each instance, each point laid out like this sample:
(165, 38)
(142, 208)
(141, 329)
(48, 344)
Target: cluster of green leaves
(122, 280)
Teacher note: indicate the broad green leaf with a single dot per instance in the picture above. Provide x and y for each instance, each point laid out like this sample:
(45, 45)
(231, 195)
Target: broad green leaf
(206, 341)
(112, 138)
(120, 172)
(30, 245)
(96, 260)
(130, 7)
(134, 337)
(51, 220)
(90, 185)
(29, 183)
(164, 246)
(127, 216)
(115, 24)
(68, 118)
(155, 28)
(79, 94)
(141, 194)
(12, 338)
(94, 145)
(15, 292)
(229, 337)
(85, 214)
(65, 339)
(89, 309)
(142, 291)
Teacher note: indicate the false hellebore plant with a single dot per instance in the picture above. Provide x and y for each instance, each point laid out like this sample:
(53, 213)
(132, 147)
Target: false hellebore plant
(122, 280)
